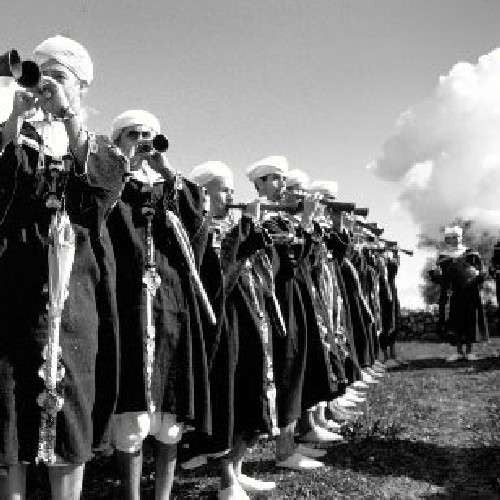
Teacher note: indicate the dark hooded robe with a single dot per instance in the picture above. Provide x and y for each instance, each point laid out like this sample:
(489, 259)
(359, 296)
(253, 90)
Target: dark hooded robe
(326, 283)
(289, 352)
(338, 244)
(361, 316)
(390, 304)
(462, 313)
(88, 332)
(240, 344)
(324, 372)
(179, 371)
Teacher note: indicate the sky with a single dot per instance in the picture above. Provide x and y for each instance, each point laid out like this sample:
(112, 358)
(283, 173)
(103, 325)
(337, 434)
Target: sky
(319, 81)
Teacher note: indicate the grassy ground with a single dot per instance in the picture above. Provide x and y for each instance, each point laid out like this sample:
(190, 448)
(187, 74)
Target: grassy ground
(431, 430)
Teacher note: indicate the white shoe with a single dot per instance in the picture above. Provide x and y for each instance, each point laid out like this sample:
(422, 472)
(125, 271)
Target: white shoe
(345, 403)
(251, 485)
(392, 363)
(320, 436)
(374, 373)
(194, 463)
(359, 384)
(368, 379)
(355, 398)
(299, 462)
(310, 452)
(471, 357)
(345, 414)
(218, 454)
(234, 492)
(453, 358)
(353, 390)
(331, 425)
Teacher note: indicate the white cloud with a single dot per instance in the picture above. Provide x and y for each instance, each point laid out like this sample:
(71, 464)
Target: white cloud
(445, 152)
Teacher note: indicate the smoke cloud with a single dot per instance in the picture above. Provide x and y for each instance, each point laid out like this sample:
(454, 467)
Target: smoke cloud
(445, 151)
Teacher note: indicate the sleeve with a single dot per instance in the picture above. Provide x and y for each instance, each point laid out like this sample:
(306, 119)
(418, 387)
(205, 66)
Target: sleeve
(95, 186)
(240, 244)
(385, 287)
(18, 166)
(187, 200)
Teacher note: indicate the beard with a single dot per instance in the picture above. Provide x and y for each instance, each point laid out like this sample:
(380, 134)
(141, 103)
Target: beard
(55, 138)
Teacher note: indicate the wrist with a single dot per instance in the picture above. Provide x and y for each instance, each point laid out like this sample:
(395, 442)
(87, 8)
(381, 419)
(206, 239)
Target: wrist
(66, 113)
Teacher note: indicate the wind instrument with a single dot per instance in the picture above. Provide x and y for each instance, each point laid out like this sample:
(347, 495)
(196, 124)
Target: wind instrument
(26, 73)
(151, 281)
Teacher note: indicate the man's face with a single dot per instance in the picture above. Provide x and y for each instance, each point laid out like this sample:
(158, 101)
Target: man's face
(271, 186)
(219, 195)
(452, 240)
(294, 189)
(65, 77)
(130, 137)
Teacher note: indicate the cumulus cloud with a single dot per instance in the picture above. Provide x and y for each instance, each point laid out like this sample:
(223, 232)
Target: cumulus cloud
(445, 151)
(444, 155)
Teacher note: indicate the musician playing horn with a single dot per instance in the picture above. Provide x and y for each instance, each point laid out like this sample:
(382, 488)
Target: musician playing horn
(321, 384)
(49, 164)
(237, 273)
(290, 352)
(162, 356)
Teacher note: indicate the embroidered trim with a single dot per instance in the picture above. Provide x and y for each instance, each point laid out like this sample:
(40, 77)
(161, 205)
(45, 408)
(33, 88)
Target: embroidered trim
(264, 328)
(151, 281)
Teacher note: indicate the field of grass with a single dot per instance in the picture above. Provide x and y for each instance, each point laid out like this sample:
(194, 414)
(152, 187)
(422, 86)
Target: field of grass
(430, 430)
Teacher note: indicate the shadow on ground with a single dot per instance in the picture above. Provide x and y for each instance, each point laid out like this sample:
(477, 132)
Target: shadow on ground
(481, 365)
(461, 472)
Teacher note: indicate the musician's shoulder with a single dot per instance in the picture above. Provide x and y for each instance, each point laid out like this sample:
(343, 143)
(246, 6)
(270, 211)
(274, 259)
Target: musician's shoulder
(29, 137)
(106, 164)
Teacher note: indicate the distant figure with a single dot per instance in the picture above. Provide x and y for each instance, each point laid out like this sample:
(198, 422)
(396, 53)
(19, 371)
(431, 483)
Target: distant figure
(461, 314)
(495, 272)
(391, 313)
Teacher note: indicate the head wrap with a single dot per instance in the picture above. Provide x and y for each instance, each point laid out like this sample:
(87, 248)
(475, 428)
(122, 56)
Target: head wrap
(453, 231)
(134, 117)
(329, 188)
(69, 53)
(266, 166)
(210, 170)
(297, 177)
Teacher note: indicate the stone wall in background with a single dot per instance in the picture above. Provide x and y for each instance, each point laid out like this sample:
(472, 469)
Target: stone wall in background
(423, 324)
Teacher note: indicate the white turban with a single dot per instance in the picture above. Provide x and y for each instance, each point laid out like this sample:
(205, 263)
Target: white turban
(453, 231)
(210, 170)
(297, 177)
(266, 166)
(134, 117)
(329, 188)
(69, 53)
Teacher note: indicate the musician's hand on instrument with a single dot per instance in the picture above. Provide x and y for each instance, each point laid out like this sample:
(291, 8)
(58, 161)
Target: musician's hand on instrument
(160, 163)
(437, 271)
(310, 207)
(25, 104)
(252, 210)
(53, 98)
(472, 272)
(137, 159)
